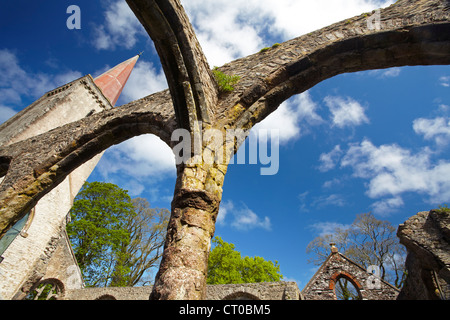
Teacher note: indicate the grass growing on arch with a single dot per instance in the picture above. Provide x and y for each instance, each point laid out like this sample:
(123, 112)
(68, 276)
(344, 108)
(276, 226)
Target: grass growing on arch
(226, 82)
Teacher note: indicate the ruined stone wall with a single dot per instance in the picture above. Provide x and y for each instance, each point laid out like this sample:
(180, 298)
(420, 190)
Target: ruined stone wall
(261, 291)
(245, 291)
(427, 239)
(63, 266)
(68, 103)
(322, 284)
(119, 293)
(26, 259)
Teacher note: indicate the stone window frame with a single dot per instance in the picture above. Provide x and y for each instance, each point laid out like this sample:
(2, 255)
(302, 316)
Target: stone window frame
(352, 279)
(56, 292)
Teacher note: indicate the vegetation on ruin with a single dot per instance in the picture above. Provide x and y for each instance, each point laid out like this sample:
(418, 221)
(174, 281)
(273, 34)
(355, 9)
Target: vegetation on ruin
(275, 45)
(444, 209)
(225, 82)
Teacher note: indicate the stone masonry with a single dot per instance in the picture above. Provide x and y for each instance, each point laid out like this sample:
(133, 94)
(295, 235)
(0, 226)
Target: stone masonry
(426, 236)
(410, 32)
(25, 260)
(246, 291)
(369, 287)
(427, 239)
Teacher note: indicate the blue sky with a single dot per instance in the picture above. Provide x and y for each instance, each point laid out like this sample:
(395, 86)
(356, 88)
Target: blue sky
(370, 141)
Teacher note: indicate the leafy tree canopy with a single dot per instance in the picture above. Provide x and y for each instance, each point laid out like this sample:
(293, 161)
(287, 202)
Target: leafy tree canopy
(115, 239)
(225, 265)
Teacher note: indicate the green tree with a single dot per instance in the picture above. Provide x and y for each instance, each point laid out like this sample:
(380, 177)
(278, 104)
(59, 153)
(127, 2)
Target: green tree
(225, 265)
(97, 230)
(367, 241)
(116, 240)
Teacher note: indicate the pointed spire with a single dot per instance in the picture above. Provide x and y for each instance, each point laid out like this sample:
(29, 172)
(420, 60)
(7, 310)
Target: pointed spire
(112, 81)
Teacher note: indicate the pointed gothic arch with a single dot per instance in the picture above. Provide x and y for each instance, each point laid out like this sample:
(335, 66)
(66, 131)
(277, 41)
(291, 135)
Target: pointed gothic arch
(241, 295)
(412, 32)
(348, 277)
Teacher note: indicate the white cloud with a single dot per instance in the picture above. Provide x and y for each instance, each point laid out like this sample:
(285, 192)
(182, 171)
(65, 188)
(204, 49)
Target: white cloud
(245, 219)
(437, 129)
(134, 188)
(6, 113)
(229, 29)
(226, 29)
(289, 279)
(331, 183)
(224, 209)
(144, 80)
(294, 18)
(121, 28)
(445, 81)
(17, 84)
(345, 112)
(330, 159)
(327, 227)
(319, 202)
(387, 73)
(142, 157)
(334, 200)
(392, 171)
(443, 108)
(291, 117)
(242, 217)
(387, 206)
(391, 72)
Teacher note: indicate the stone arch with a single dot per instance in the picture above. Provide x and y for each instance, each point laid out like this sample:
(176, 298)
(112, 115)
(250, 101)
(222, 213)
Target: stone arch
(106, 297)
(347, 276)
(350, 54)
(334, 50)
(47, 289)
(106, 128)
(241, 295)
(414, 41)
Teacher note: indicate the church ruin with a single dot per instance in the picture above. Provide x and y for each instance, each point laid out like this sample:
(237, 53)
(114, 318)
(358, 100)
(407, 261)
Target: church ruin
(46, 153)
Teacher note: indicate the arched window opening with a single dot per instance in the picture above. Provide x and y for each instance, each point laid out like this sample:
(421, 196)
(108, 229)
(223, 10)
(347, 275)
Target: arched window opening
(106, 297)
(345, 290)
(241, 296)
(49, 289)
(101, 216)
(345, 287)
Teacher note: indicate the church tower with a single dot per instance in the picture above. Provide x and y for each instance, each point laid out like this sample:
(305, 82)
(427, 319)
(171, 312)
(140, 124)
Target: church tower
(112, 81)
(26, 249)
